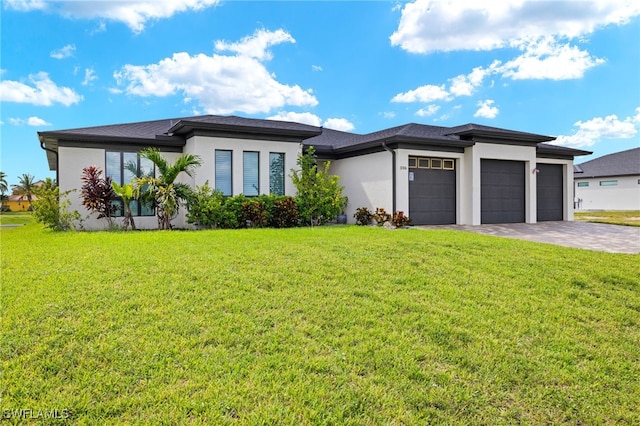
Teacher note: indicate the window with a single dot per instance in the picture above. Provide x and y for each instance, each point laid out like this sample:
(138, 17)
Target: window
(423, 163)
(413, 162)
(448, 164)
(436, 163)
(276, 173)
(123, 167)
(583, 184)
(250, 173)
(432, 163)
(223, 171)
(608, 182)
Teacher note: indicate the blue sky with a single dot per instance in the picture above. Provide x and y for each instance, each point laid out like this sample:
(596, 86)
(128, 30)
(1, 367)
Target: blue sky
(569, 69)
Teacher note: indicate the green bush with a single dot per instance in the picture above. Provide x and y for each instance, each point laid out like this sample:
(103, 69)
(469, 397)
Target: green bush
(319, 196)
(254, 214)
(381, 216)
(51, 209)
(205, 207)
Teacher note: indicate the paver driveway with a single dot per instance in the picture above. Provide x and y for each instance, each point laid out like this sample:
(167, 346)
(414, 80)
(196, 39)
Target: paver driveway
(590, 236)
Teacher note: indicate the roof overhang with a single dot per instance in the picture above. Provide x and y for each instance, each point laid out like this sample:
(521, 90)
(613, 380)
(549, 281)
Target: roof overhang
(186, 127)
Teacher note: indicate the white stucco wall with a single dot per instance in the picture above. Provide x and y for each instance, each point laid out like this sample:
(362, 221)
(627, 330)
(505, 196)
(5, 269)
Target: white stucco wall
(367, 181)
(205, 147)
(71, 162)
(624, 196)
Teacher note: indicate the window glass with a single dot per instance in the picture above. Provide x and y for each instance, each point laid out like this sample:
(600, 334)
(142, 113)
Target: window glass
(250, 174)
(223, 172)
(113, 166)
(123, 167)
(582, 184)
(608, 182)
(276, 173)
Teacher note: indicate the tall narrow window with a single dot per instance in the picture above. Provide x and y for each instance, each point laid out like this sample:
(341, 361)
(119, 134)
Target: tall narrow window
(276, 173)
(122, 168)
(250, 173)
(223, 172)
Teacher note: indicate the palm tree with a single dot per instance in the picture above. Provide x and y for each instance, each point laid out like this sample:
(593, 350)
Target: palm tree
(3, 188)
(26, 187)
(126, 192)
(167, 193)
(3, 183)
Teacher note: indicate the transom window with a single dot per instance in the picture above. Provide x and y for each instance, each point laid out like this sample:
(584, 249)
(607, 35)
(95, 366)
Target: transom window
(432, 163)
(123, 167)
(608, 182)
(583, 184)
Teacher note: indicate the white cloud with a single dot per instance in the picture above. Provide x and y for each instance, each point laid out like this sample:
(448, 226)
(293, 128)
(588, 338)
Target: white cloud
(466, 85)
(89, 76)
(436, 25)
(256, 45)
(134, 14)
(592, 131)
(339, 124)
(42, 92)
(547, 59)
(64, 52)
(388, 114)
(25, 5)
(297, 117)
(31, 121)
(429, 110)
(220, 84)
(426, 93)
(316, 67)
(486, 109)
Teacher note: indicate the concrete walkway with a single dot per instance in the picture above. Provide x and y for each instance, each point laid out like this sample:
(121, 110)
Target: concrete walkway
(585, 235)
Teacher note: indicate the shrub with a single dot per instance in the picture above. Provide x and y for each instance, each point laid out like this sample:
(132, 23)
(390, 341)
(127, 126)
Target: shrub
(232, 217)
(381, 216)
(319, 196)
(399, 219)
(363, 216)
(284, 213)
(206, 207)
(51, 209)
(254, 214)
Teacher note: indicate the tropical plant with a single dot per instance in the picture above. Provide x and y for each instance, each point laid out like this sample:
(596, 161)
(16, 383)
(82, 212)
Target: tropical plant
(205, 208)
(319, 197)
(3, 183)
(26, 187)
(399, 219)
(97, 193)
(381, 216)
(363, 216)
(167, 193)
(127, 192)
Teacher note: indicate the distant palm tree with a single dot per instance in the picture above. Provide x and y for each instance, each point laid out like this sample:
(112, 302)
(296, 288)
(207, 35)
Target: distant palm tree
(3, 183)
(26, 187)
(167, 193)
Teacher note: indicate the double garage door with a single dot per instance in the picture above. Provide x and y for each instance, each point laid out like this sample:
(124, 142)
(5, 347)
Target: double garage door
(432, 191)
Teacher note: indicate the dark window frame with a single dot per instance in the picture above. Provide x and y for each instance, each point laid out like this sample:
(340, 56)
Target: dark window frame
(255, 188)
(215, 171)
(282, 158)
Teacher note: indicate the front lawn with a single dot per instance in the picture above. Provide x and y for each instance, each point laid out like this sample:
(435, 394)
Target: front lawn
(329, 325)
(614, 217)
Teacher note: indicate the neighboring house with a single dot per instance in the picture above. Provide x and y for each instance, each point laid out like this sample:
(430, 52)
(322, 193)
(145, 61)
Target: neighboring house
(468, 174)
(610, 182)
(20, 203)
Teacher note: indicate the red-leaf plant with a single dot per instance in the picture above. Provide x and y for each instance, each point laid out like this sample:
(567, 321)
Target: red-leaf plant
(97, 193)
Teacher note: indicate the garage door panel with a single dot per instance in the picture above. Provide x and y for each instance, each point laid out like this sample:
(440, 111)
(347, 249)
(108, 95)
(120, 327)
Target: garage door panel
(550, 192)
(502, 186)
(432, 197)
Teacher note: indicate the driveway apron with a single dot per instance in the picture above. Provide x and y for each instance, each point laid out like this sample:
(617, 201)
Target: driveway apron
(585, 235)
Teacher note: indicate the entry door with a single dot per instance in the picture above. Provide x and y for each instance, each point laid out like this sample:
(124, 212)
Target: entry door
(550, 192)
(432, 191)
(502, 186)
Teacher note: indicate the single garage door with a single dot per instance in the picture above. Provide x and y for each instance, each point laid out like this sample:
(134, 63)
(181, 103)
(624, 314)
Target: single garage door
(432, 191)
(550, 184)
(502, 189)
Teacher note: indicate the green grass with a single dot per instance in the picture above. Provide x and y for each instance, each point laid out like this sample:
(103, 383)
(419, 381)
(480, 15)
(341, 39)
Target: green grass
(16, 218)
(628, 218)
(334, 325)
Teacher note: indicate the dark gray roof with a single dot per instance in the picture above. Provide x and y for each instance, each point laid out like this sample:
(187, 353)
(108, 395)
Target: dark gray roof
(496, 132)
(623, 163)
